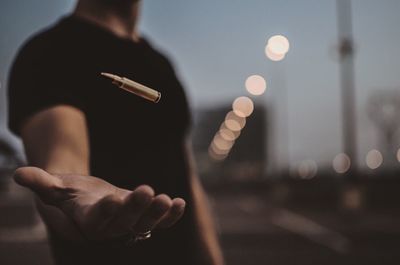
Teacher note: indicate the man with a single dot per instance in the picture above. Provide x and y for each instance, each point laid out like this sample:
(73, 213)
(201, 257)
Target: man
(74, 124)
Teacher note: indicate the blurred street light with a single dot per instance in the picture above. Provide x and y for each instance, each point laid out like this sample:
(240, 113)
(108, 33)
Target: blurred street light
(256, 85)
(272, 56)
(307, 169)
(374, 159)
(215, 156)
(234, 122)
(398, 155)
(341, 163)
(222, 144)
(227, 134)
(278, 44)
(243, 107)
(277, 47)
(223, 130)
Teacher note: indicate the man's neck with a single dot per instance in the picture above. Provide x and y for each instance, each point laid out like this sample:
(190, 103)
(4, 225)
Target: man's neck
(120, 20)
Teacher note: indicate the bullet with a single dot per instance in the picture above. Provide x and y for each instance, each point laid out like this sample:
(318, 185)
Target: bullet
(134, 87)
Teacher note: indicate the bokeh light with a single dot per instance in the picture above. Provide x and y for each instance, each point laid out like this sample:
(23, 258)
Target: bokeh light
(234, 122)
(215, 156)
(227, 134)
(341, 163)
(352, 198)
(256, 85)
(222, 144)
(374, 159)
(307, 169)
(278, 44)
(217, 150)
(223, 131)
(243, 106)
(273, 56)
(398, 155)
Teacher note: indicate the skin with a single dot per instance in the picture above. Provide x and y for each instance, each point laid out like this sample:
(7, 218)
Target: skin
(80, 207)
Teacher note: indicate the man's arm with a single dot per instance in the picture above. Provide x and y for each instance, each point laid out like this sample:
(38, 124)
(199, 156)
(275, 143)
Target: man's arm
(210, 249)
(74, 204)
(56, 140)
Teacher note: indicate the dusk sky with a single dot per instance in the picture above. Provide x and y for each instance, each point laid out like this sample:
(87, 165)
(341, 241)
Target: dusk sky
(216, 45)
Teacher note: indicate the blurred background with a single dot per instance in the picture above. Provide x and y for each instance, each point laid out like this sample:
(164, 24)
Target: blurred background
(297, 115)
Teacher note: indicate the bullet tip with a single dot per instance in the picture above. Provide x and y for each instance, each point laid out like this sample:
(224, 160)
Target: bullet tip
(109, 75)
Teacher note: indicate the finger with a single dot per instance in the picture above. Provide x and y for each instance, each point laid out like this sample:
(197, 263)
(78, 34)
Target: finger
(48, 187)
(174, 214)
(134, 205)
(152, 216)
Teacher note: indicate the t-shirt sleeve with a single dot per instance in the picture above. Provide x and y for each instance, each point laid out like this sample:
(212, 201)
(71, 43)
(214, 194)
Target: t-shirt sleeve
(39, 80)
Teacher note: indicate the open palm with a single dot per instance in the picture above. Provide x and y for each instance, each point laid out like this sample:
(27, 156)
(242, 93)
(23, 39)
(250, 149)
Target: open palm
(99, 209)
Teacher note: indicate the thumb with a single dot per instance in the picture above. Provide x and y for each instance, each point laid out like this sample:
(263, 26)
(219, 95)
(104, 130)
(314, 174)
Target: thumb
(47, 186)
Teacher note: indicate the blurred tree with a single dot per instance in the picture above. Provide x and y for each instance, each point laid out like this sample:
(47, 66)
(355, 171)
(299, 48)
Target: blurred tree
(384, 111)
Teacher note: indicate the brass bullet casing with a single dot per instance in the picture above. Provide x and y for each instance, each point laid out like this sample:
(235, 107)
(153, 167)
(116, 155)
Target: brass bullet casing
(134, 87)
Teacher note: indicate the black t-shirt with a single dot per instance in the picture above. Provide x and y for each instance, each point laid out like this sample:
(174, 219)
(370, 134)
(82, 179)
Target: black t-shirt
(132, 141)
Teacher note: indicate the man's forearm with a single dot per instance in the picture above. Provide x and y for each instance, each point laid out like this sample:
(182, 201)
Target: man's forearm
(56, 140)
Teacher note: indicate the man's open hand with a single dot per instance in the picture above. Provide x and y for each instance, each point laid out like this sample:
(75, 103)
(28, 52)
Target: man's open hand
(99, 209)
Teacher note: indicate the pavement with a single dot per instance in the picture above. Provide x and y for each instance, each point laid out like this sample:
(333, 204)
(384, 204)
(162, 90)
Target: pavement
(274, 223)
